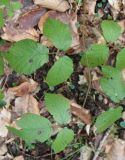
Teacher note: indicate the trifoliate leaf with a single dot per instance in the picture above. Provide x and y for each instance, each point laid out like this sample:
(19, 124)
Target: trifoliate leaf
(1, 65)
(120, 61)
(59, 107)
(64, 137)
(60, 71)
(97, 55)
(106, 119)
(26, 56)
(58, 33)
(111, 30)
(112, 83)
(33, 128)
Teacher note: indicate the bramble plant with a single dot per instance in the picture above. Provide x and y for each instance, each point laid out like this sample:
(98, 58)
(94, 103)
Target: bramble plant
(26, 56)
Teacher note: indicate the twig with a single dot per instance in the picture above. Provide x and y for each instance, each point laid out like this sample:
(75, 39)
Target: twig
(88, 90)
(99, 149)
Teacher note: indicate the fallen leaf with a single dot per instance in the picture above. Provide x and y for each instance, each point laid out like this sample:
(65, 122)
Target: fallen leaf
(58, 5)
(26, 104)
(24, 88)
(30, 18)
(117, 150)
(5, 117)
(13, 34)
(82, 113)
(85, 153)
(89, 7)
(19, 158)
(115, 7)
(69, 19)
(3, 149)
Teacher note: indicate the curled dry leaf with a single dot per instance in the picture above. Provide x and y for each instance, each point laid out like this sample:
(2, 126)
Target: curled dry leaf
(58, 5)
(69, 19)
(14, 34)
(5, 117)
(116, 150)
(26, 104)
(82, 113)
(24, 88)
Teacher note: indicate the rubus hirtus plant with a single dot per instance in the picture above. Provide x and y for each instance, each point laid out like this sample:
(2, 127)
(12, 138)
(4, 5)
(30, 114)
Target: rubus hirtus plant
(26, 56)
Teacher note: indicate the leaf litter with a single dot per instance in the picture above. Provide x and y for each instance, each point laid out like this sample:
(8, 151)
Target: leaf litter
(28, 96)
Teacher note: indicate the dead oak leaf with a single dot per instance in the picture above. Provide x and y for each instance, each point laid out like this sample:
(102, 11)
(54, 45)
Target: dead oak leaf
(26, 104)
(13, 34)
(58, 5)
(116, 150)
(82, 113)
(5, 118)
(24, 88)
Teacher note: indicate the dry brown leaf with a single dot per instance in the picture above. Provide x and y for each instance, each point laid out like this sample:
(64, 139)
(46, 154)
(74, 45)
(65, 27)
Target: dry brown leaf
(3, 149)
(24, 88)
(82, 113)
(69, 19)
(115, 7)
(116, 150)
(19, 158)
(31, 18)
(13, 34)
(58, 5)
(85, 153)
(26, 104)
(89, 6)
(5, 117)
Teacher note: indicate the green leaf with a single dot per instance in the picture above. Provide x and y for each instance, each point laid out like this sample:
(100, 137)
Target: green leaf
(120, 60)
(5, 2)
(60, 71)
(59, 107)
(112, 83)
(111, 30)
(33, 128)
(16, 5)
(97, 55)
(58, 33)
(64, 137)
(27, 56)
(1, 18)
(106, 119)
(1, 65)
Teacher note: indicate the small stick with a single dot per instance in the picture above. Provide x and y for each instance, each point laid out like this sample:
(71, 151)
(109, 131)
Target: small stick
(101, 143)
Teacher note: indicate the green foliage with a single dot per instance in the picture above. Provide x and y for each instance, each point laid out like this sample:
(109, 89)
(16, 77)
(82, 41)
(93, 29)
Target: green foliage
(120, 61)
(1, 65)
(111, 30)
(64, 137)
(2, 102)
(60, 71)
(33, 128)
(96, 55)
(112, 83)
(26, 56)
(58, 33)
(106, 119)
(59, 107)
(1, 18)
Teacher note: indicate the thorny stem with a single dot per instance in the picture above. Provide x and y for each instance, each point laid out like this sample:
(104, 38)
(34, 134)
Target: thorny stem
(89, 87)
(99, 149)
